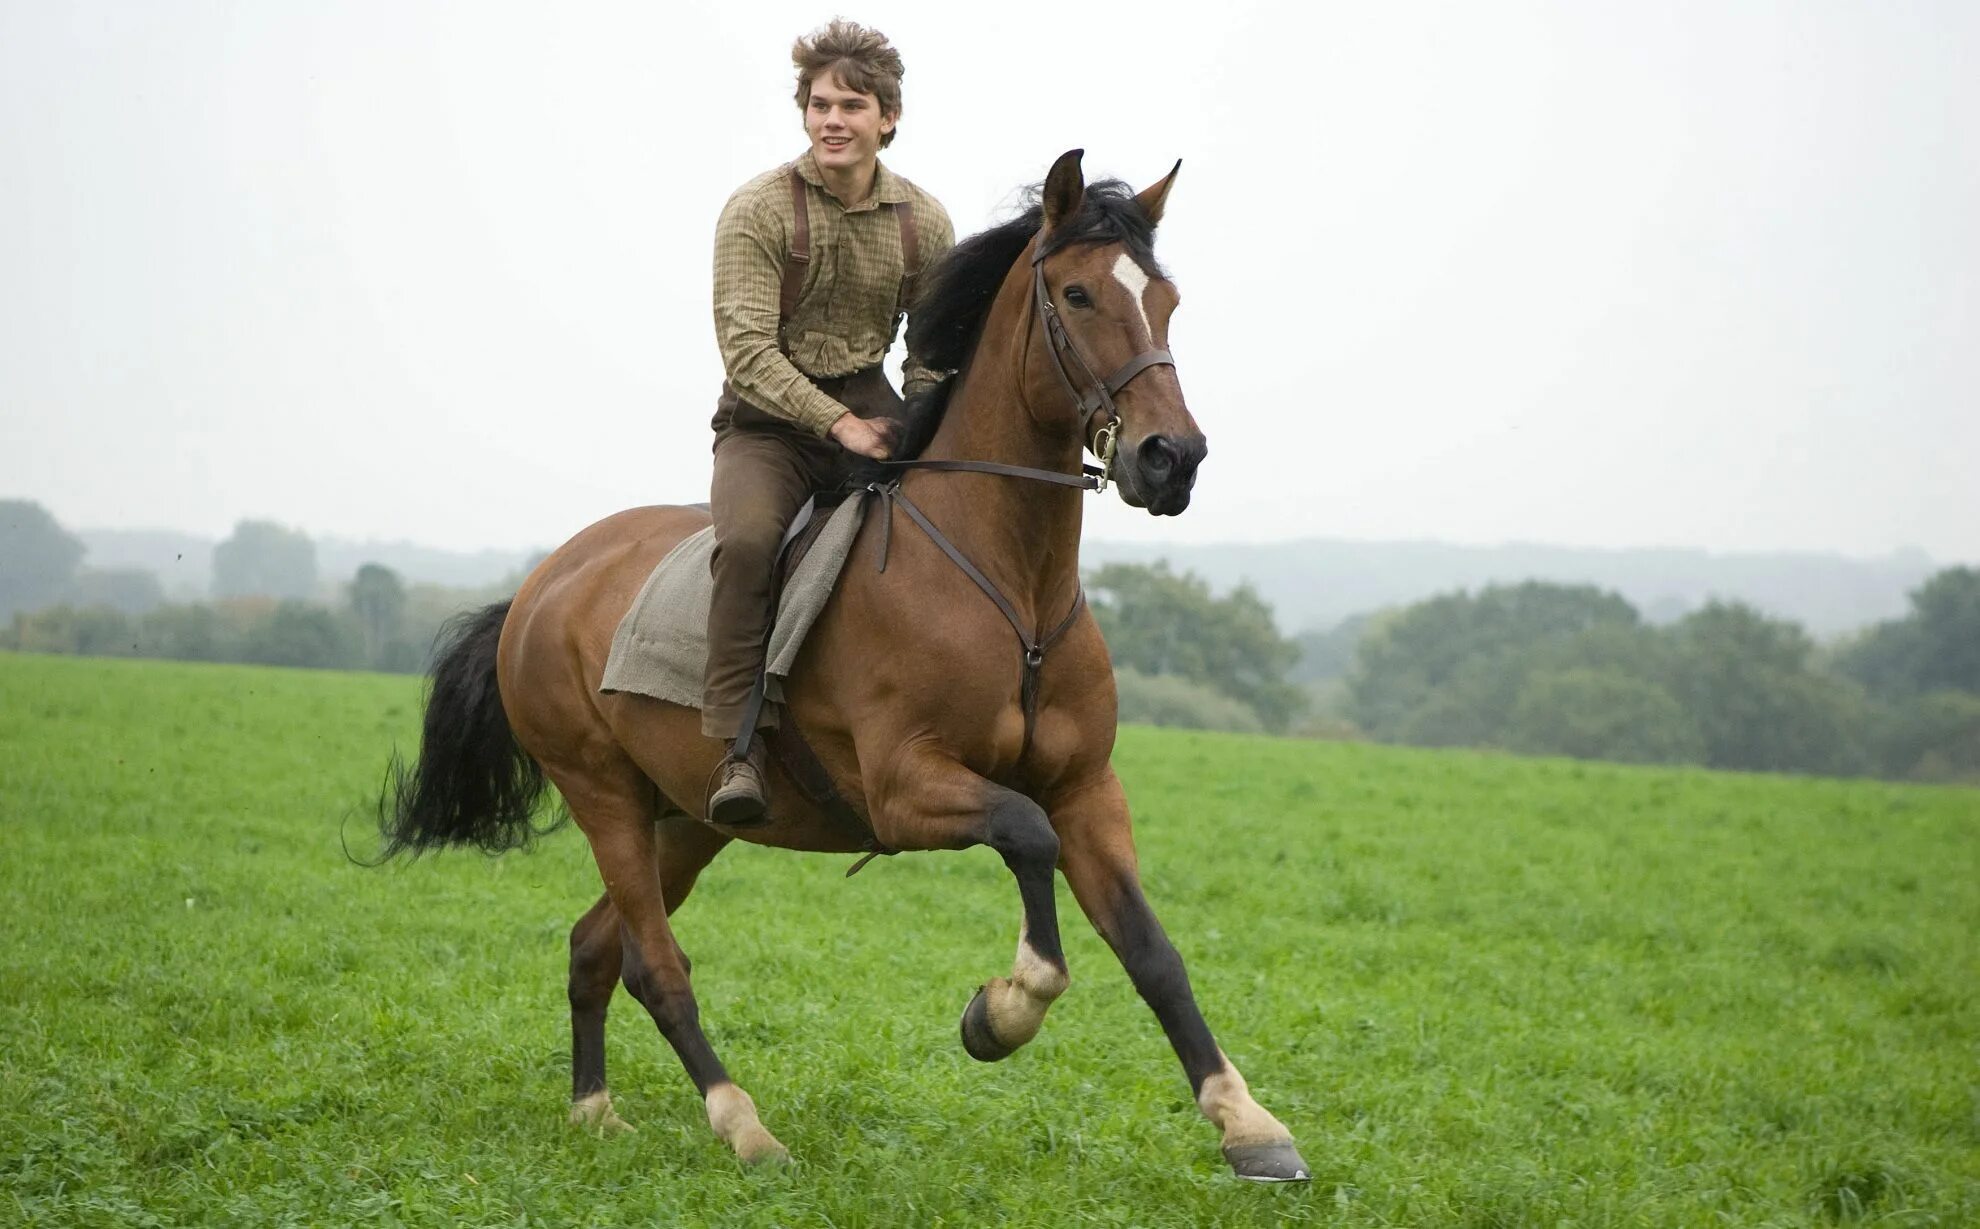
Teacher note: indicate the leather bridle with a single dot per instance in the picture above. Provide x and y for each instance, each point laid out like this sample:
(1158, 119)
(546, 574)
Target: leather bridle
(1097, 402)
(1100, 393)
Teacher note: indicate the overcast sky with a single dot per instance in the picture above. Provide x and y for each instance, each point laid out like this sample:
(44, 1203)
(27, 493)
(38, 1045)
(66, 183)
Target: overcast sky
(1601, 274)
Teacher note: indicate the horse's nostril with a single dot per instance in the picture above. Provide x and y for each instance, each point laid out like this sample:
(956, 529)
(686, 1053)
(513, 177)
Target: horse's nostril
(1159, 456)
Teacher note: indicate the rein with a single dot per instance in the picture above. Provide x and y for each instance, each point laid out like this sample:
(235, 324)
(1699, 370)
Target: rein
(1098, 397)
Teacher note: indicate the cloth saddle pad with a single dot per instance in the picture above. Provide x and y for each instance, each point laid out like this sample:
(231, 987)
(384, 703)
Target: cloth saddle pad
(661, 647)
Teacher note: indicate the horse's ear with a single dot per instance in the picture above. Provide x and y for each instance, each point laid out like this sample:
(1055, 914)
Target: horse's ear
(1065, 188)
(1155, 195)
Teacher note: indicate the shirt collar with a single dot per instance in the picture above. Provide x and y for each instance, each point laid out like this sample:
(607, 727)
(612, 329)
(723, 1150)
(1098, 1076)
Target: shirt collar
(888, 188)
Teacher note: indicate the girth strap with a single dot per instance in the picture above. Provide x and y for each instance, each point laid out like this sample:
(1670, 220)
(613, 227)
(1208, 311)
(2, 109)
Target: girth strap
(1034, 647)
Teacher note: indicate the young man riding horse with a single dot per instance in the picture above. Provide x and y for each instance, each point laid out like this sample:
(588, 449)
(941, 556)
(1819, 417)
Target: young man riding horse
(815, 264)
(955, 691)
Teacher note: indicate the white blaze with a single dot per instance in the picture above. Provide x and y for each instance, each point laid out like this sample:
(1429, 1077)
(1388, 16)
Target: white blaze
(1130, 275)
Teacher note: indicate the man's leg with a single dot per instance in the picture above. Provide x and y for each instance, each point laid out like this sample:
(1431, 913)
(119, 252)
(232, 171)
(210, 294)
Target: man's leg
(761, 479)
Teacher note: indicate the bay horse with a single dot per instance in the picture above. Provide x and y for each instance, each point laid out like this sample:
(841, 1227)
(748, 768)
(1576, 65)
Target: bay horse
(935, 729)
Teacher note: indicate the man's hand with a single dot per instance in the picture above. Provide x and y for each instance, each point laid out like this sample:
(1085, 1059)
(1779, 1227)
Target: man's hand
(871, 438)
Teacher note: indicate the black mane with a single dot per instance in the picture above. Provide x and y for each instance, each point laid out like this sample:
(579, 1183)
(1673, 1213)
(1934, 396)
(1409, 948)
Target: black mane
(949, 310)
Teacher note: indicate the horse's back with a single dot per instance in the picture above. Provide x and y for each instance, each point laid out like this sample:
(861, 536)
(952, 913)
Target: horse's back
(571, 604)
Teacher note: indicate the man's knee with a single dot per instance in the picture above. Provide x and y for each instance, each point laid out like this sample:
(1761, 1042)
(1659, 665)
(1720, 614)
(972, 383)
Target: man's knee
(749, 541)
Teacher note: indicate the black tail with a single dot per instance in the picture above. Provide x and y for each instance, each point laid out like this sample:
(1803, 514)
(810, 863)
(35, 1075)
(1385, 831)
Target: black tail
(473, 785)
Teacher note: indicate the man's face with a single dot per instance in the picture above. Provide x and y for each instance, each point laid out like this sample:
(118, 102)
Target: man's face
(845, 126)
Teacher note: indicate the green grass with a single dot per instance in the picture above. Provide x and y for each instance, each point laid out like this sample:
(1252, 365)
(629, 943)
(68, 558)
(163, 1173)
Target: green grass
(1482, 991)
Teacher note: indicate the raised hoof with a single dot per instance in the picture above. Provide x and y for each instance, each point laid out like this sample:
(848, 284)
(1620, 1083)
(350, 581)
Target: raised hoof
(1272, 1162)
(977, 1038)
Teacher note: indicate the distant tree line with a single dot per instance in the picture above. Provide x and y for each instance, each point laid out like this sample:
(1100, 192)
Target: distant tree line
(1535, 668)
(1569, 670)
(267, 604)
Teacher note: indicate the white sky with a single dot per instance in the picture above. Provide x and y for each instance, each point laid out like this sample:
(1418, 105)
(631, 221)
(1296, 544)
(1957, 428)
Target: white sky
(1697, 274)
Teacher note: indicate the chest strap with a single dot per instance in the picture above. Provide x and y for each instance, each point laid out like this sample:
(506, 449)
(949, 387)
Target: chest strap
(1033, 644)
(799, 259)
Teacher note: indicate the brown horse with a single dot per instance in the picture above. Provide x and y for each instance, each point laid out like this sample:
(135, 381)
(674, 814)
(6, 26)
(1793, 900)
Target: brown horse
(937, 729)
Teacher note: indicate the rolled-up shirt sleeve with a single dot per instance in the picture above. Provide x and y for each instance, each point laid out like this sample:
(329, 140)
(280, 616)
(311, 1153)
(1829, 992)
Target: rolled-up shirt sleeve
(750, 245)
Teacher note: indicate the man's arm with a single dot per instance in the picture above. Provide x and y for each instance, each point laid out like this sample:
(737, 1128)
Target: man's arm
(750, 249)
(934, 240)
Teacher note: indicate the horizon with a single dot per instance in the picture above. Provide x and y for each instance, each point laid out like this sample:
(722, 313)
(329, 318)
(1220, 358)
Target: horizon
(1901, 552)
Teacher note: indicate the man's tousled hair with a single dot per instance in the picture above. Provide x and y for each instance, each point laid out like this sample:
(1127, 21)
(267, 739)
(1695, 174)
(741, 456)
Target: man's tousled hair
(858, 57)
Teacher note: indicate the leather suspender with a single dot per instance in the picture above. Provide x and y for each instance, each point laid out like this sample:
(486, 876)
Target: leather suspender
(910, 258)
(800, 257)
(794, 264)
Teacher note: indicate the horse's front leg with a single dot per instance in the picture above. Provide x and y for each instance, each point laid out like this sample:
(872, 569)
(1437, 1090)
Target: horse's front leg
(931, 802)
(1099, 863)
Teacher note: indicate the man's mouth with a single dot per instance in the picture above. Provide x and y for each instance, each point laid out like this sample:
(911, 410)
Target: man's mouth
(837, 142)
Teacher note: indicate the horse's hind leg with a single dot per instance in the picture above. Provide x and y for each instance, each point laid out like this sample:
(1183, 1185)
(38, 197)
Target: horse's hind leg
(597, 956)
(1099, 864)
(933, 803)
(614, 809)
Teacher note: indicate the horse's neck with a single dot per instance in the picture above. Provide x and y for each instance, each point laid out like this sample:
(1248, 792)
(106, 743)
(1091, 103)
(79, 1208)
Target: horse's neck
(1023, 533)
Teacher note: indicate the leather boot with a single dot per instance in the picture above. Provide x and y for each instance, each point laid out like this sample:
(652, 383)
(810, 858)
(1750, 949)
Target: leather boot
(737, 800)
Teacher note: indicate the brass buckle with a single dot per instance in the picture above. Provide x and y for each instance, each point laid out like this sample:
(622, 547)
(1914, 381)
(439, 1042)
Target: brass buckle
(1103, 448)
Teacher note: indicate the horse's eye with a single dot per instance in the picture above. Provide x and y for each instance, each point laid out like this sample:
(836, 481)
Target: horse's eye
(1076, 296)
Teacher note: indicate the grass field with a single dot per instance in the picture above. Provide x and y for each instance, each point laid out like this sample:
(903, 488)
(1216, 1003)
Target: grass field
(1482, 991)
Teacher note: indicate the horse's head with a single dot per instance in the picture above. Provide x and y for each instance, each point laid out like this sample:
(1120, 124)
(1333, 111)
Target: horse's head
(1106, 306)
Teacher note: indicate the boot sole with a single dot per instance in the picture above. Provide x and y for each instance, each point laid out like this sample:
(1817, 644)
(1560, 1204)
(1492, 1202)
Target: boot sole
(741, 811)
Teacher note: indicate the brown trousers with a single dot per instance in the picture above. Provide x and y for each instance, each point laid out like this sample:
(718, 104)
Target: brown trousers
(765, 468)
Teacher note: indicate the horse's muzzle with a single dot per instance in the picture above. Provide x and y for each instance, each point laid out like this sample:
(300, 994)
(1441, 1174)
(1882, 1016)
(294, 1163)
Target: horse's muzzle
(1161, 470)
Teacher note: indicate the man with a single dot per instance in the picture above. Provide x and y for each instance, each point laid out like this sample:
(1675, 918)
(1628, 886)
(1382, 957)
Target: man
(814, 265)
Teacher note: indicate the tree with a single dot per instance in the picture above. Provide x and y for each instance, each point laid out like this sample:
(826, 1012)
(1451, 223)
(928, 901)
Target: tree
(1934, 737)
(378, 599)
(1173, 701)
(303, 634)
(1445, 672)
(96, 631)
(1934, 648)
(1947, 608)
(130, 590)
(263, 558)
(1602, 715)
(1328, 655)
(37, 556)
(1158, 623)
(1745, 681)
(189, 633)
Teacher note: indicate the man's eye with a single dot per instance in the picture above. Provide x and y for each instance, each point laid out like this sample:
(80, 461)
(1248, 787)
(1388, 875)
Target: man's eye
(1076, 297)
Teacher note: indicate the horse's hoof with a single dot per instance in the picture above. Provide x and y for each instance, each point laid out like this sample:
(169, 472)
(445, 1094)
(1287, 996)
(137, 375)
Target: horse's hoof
(765, 1151)
(594, 1114)
(1269, 1162)
(977, 1038)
